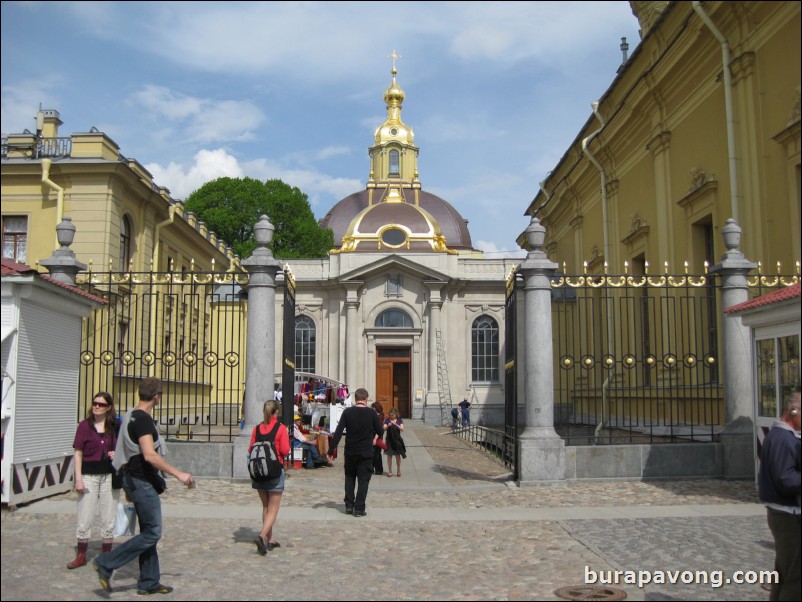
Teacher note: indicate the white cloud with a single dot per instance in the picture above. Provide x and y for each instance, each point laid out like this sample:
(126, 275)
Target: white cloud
(332, 151)
(163, 101)
(20, 103)
(323, 154)
(512, 31)
(323, 190)
(300, 38)
(201, 119)
(209, 165)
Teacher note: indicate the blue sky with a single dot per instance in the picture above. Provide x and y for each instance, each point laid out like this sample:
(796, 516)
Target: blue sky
(495, 91)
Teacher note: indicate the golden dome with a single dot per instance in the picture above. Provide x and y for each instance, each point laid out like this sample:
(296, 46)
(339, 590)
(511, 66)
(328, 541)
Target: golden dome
(393, 129)
(394, 225)
(394, 94)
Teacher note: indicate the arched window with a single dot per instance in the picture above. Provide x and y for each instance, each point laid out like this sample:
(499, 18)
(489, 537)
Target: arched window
(484, 350)
(305, 344)
(394, 163)
(393, 318)
(125, 243)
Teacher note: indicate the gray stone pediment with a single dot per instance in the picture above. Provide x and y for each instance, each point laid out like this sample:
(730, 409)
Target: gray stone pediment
(395, 263)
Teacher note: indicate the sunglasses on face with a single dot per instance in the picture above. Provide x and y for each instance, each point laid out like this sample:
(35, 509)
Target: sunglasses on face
(97, 404)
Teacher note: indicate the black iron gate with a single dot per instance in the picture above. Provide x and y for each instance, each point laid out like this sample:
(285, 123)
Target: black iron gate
(188, 329)
(511, 451)
(636, 359)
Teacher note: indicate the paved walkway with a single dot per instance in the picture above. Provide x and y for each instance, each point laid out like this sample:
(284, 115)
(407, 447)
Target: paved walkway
(451, 528)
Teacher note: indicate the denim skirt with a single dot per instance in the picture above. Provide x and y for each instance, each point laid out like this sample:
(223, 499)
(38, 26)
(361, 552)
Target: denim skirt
(271, 485)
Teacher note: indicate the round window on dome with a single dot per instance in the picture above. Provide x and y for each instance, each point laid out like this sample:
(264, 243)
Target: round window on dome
(394, 237)
(394, 132)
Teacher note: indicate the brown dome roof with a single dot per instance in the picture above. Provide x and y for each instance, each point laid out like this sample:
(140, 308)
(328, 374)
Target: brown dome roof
(451, 224)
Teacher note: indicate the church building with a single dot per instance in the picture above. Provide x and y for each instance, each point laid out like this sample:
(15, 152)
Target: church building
(404, 305)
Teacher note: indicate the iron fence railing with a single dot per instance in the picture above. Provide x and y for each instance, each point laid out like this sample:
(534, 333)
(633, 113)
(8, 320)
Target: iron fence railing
(187, 329)
(39, 148)
(637, 358)
(498, 444)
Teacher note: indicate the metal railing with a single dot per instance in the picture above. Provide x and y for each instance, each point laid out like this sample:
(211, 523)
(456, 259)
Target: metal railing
(637, 358)
(39, 148)
(500, 446)
(187, 329)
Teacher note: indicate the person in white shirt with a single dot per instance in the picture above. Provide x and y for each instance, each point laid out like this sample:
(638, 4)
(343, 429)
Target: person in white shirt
(313, 459)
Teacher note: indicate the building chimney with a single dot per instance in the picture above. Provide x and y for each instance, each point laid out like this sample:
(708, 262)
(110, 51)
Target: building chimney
(47, 123)
(624, 50)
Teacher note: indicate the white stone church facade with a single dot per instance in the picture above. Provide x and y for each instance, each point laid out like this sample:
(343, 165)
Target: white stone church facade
(403, 280)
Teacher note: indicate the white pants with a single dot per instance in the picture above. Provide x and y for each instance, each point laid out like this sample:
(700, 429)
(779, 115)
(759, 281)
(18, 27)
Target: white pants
(98, 498)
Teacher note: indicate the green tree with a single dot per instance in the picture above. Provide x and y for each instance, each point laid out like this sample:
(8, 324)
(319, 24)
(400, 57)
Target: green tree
(232, 206)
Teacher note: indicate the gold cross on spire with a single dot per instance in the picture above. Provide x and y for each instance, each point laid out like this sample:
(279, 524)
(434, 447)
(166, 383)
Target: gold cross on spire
(394, 56)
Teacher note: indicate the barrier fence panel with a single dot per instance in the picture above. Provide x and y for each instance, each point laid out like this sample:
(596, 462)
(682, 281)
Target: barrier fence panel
(187, 329)
(636, 359)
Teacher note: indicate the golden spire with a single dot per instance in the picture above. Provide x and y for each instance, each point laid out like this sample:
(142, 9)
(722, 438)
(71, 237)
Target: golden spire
(393, 129)
(394, 95)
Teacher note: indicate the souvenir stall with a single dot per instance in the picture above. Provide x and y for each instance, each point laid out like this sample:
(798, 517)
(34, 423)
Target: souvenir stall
(319, 401)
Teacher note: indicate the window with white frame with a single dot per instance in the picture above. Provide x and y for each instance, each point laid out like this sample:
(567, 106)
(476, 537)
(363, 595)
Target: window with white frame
(484, 350)
(305, 344)
(393, 318)
(15, 237)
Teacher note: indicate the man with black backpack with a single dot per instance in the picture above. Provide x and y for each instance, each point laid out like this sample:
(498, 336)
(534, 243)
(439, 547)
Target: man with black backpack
(361, 426)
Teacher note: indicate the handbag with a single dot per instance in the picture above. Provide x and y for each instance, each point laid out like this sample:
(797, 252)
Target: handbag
(379, 442)
(125, 526)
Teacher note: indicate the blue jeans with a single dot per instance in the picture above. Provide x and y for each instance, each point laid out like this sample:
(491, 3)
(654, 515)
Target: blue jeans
(466, 417)
(143, 546)
(312, 455)
(358, 471)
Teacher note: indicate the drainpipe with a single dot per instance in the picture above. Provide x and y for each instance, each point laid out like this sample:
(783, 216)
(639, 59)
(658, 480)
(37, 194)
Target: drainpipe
(586, 151)
(46, 164)
(155, 262)
(725, 54)
(545, 192)
(156, 242)
(606, 228)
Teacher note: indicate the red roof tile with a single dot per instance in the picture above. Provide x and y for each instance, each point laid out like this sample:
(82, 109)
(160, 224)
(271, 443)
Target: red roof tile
(783, 294)
(12, 268)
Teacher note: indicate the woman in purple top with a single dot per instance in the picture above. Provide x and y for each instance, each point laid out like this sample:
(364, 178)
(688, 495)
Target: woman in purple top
(94, 445)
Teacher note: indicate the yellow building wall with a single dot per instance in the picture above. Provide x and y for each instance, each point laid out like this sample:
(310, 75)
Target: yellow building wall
(666, 132)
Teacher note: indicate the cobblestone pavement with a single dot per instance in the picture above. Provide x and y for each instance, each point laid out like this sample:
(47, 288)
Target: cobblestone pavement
(475, 538)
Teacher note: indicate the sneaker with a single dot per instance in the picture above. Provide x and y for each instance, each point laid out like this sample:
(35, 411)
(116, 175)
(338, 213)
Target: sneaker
(159, 589)
(261, 546)
(105, 580)
(360, 513)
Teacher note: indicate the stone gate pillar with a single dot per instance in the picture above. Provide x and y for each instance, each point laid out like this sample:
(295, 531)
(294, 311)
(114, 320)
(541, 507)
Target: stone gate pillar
(736, 354)
(260, 350)
(542, 451)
